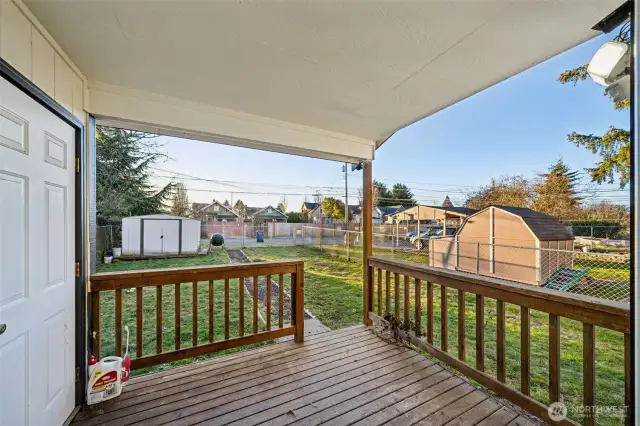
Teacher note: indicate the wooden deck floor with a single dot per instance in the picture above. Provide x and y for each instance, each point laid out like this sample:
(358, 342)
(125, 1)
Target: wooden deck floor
(343, 377)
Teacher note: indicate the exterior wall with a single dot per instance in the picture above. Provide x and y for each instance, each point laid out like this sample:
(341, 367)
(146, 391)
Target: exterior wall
(443, 253)
(130, 236)
(510, 262)
(475, 230)
(190, 236)
(503, 259)
(27, 46)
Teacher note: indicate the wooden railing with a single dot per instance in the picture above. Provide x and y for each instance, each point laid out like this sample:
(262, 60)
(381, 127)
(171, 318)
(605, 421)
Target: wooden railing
(610, 315)
(172, 280)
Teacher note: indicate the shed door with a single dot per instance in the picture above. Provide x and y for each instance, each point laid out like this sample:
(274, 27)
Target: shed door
(161, 236)
(37, 347)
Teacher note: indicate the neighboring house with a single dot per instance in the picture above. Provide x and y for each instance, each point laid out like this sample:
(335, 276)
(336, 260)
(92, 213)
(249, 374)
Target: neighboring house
(214, 212)
(259, 215)
(376, 216)
(388, 211)
(318, 216)
(307, 207)
(426, 214)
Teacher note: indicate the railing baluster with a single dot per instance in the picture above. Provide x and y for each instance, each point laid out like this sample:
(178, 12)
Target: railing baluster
(407, 299)
(430, 312)
(554, 358)
(299, 305)
(444, 319)
(177, 309)
(388, 288)
(139, 312)
(589, 372)
(194, 313)
(462, 347)
(379, 292)
(268, 302)
(255, 305)
(500, 344)
(418, 306)
(226, 308)
(525, 350)
(280, 301)
(96, 323)
(396, 295)
(211, 312)
(628, 379)
(158, 319)
(241, 306)
(118, 322)
(479, 333)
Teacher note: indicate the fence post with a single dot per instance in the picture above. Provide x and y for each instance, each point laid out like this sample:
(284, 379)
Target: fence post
(478, 258)
(348, 239)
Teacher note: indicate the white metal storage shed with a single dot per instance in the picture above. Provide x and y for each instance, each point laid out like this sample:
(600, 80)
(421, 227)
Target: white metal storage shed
(159, 235)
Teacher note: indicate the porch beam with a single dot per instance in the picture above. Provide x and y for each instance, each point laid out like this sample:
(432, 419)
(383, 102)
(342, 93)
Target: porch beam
(367, 238)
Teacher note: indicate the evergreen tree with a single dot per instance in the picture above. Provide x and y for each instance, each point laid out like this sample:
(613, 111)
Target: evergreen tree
(402, 195)
(447, 202)
(614, 146)
(180, 202)
(555, 192)
(123, 158)
(381, 196)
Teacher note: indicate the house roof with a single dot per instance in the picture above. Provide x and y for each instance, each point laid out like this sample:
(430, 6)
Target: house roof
(268, 211)
(544, 227)
(390, 209)
(157, 216)
(460, 210)
(309, 206)
(346, 74)
(227, 209)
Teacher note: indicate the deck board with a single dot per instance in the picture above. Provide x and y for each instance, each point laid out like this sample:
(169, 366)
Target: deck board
(343, 377)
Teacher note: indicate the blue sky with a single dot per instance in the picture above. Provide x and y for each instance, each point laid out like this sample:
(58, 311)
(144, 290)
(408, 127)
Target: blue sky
(517, 127)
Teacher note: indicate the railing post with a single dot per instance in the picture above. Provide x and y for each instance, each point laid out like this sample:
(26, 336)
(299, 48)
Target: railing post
(367, 239)
(478, 258)
(298, 303)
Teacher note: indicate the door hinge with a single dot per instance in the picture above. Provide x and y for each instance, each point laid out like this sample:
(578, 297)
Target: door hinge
(77, 269)
(77, 164)
(77, 373)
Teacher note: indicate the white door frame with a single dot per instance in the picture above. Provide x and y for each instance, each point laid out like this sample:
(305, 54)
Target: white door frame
(23, 84)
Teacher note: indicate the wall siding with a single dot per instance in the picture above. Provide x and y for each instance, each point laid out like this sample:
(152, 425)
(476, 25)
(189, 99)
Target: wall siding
(27, 47)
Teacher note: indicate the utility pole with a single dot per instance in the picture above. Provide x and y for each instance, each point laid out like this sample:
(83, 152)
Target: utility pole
(346, 198)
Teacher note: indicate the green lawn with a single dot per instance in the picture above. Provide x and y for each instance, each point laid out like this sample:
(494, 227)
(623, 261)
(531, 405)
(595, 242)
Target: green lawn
(168, 310)
(333, 293)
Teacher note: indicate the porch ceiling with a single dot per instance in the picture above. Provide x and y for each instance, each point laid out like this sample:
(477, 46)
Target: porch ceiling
(349, 70)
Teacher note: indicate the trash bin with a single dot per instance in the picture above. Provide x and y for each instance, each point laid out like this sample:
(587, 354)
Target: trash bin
(260, 237)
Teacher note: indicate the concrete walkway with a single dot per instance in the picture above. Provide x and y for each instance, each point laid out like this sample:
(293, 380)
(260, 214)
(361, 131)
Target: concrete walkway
(311, 324)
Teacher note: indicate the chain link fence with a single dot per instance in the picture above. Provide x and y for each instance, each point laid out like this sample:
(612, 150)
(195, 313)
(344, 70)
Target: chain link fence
(600, 275)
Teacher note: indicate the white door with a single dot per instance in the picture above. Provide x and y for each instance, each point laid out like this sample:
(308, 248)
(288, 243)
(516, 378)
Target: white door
(161, 236)
(37, 349)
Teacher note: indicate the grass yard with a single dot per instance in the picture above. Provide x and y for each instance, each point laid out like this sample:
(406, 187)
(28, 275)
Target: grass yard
(168, 310)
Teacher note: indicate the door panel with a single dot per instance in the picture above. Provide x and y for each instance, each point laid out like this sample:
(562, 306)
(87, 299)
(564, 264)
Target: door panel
(37, 283)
